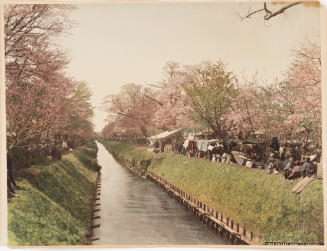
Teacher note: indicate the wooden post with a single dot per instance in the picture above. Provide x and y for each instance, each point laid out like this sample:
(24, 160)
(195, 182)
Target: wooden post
(237, 227)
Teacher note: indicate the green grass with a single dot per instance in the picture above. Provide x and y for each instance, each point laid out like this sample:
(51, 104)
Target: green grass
(137, 157)
(261, 202)
(54, 208)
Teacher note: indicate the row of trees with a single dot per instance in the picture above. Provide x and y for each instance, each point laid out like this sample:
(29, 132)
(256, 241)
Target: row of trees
(41, 99)
(209, 96)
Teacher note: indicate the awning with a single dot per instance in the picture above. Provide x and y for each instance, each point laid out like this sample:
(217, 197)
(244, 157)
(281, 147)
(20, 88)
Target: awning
(164, 135)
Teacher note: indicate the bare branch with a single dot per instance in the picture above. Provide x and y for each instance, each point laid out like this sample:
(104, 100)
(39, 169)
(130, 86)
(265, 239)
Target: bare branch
(268, 13)
(156, 86)
(153, 99)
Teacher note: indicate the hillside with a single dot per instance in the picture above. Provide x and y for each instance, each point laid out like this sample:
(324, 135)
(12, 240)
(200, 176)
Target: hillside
(54, 208)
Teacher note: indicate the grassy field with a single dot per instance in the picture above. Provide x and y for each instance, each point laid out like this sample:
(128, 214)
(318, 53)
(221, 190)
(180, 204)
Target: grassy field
(261, 202)
(54, 208)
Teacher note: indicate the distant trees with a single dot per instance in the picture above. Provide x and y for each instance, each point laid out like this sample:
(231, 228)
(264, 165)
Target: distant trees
(80, 112)
(209, 96)
(141, 110)
(37, 89)
(132, 108)
(188, 97)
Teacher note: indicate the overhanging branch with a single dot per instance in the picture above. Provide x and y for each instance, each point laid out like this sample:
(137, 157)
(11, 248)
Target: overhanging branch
(269, 13)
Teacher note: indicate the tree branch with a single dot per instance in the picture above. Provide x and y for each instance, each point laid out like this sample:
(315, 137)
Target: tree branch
(153, 99)
(268, 13)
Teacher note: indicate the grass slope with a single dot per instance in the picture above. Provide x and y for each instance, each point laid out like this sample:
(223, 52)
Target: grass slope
(263, 203)
(54, 209)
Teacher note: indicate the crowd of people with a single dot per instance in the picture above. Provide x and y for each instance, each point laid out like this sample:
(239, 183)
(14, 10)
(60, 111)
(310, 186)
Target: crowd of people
(288, 158)
(290, 168)
(24, 156)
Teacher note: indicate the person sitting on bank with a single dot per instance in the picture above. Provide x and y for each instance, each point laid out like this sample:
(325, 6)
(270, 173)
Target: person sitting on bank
(288, 164)
(308, 168)
(271, 163)
(292, 174)
(286, 161)
(287, 167)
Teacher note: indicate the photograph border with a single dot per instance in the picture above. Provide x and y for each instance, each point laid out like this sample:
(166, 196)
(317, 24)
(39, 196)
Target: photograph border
(3, 169)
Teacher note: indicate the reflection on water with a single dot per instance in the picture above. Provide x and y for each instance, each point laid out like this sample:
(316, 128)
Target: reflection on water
(135, 211)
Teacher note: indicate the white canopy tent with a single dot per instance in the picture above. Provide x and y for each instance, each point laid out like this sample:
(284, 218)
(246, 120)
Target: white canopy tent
(163, 135)
(172, 137)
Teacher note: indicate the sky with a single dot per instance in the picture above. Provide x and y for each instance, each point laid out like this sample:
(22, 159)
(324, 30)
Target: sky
(119, 43)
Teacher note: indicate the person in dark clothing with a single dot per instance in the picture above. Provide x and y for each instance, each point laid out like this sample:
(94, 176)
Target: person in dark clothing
(286, 162)
(274, 144)
(10, 188)
(308, 168)
(11, 184)
(28, 155)
(59, 152)
(156, 144)
(54, 151)
(292, 174)
(9, 170)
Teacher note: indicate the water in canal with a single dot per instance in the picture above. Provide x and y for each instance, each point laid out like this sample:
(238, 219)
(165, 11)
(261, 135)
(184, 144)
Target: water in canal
(135, 211)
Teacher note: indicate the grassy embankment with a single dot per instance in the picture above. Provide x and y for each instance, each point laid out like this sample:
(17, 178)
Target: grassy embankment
(54, 208)
(261, 202)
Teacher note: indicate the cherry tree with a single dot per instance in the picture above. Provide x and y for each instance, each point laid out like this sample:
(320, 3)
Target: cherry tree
(300, 95)
(147, 109)
(37, 88)
(288, 108)
(80, 113)
(174, 107)
(252, 110)
(132, 108)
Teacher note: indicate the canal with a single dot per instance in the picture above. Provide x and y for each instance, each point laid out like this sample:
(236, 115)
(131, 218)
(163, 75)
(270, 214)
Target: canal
(135, 211)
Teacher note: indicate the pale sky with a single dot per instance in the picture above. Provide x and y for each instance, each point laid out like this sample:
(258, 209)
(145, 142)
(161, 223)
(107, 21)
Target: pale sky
(115, 44)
